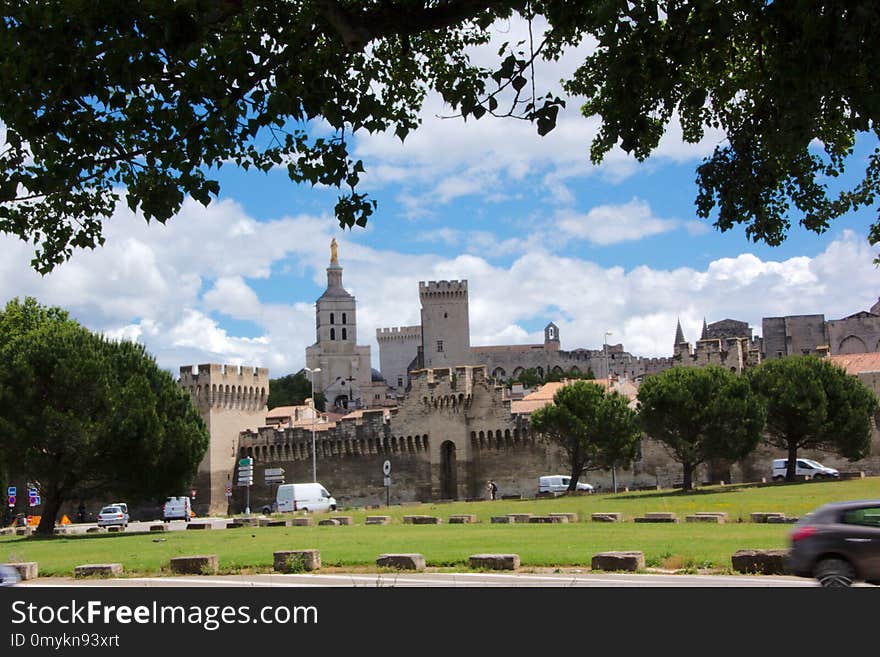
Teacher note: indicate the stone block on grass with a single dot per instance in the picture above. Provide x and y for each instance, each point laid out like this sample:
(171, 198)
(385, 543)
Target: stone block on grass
(115, 529)
(520, 517)
(763, 562)
(660, 515)
(720, 514)
(159, 527)
(271, 522)
(98, 570)
(495, 561)
(199, 525)
(7, 531)
(421, 520)
(572, 517)
(504, 520)
(332, 522)
(553, 519)
(200, 564)
(705, 518)
(627, 560)
(303, 521)
(761, 516)
(24, 531)
(95, 530)
(343, 520)
(411, 561)
(26, 569)
(234, 525)
(779, 520)
(463, 519)
(377, 520)
(246, 521)
(296, 561)
(611, 516)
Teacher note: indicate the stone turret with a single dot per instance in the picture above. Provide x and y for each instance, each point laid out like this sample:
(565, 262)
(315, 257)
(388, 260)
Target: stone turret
(445, 324)
(230, 399)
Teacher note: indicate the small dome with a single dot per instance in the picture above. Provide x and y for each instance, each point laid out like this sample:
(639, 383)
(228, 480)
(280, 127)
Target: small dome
(376, 375)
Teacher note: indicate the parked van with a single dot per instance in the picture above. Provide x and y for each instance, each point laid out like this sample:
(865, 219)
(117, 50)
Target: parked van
(559, 484)
(304, 497)
(806, 467)
(177, 508)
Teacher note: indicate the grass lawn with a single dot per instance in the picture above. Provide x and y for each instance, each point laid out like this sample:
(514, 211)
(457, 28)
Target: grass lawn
(683, 545)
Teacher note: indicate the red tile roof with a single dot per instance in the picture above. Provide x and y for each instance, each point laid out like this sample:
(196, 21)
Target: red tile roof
(857, 363)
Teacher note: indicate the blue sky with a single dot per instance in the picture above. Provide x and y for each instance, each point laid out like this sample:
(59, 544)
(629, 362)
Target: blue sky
(540, 233)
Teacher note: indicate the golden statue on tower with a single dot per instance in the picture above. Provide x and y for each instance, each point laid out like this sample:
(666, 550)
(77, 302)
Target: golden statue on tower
(334, 254)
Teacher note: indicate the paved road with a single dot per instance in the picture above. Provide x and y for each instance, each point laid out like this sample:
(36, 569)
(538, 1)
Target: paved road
(435, 580)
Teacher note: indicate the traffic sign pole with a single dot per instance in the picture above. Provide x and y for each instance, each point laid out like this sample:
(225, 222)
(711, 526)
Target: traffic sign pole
(386, 471)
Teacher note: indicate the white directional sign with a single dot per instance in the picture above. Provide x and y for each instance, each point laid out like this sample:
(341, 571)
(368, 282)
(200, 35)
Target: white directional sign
(274, 472)
(246, 471)
(387, 481)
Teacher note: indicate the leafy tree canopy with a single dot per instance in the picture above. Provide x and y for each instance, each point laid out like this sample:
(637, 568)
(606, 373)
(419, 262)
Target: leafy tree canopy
(293, 390)
(596, 429)
(85, 417)
(814, 404)
(154, 96)
(700, 413)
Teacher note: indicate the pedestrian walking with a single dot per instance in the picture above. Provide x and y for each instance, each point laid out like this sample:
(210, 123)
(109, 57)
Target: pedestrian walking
(492, 489)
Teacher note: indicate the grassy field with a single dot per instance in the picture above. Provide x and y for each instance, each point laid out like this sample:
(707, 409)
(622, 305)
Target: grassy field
(677, 546)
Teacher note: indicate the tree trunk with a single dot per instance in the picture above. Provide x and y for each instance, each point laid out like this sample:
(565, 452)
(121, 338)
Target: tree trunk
(575, 475)
(791, 468)
(688, 477)
(51, 506)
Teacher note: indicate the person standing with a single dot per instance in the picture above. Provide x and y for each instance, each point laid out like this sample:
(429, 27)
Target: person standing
(492, 489)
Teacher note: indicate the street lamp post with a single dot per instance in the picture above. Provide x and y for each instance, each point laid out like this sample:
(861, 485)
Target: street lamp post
(314, 421)
(608, 387)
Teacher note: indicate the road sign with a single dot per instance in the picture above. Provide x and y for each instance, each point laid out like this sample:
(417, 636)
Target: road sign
(273, 472)
(11, 491)
(387, 481)
(228, 490)
(34, 500)
(248, 460)
(12, 500)
(386, 468)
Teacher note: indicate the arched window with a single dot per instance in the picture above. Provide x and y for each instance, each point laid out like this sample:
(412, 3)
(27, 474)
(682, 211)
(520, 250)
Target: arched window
(343, 318)
(332, 334)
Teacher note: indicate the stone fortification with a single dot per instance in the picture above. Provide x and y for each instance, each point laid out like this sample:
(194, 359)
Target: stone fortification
(445, 325)
(451, 433)
(229, 398)
(398, 347)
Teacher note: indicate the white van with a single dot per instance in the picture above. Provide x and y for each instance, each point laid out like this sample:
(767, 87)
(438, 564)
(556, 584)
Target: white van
(177, 508)
(304, 497)
(807, 467)
(559, 484)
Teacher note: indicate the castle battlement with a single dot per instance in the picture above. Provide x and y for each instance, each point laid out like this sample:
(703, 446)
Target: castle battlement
(406, 333)
(226, 386)
(443, 289)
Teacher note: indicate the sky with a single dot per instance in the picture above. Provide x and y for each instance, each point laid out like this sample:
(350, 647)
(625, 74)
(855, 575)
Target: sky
(539, 233)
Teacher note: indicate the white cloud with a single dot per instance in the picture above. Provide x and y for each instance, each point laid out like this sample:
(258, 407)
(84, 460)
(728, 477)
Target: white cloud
(609, 224)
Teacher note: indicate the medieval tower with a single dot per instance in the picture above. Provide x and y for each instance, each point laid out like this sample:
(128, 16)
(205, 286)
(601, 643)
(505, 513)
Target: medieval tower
(345, 367)
(446, 338)
(230, 399)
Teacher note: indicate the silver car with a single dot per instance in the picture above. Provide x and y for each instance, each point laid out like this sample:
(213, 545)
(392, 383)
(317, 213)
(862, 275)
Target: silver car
(113, 515)
(8, 576)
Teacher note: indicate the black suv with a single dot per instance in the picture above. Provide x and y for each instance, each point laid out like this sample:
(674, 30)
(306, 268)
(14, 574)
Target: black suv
(838, 544)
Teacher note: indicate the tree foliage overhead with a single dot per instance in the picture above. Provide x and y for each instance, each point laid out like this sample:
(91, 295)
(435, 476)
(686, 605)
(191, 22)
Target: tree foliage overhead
(814, 404)
(83, 417)
(154, 96)
(597, 430)
(701, 413)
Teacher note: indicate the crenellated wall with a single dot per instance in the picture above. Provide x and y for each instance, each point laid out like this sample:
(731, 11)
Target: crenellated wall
(230, 398)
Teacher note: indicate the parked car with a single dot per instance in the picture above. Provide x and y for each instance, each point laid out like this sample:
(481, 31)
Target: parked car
(177, 508)
(559, 484)
(806, 467)
(304, 497)
(8, 576)
(838, 543)
(112, 515)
